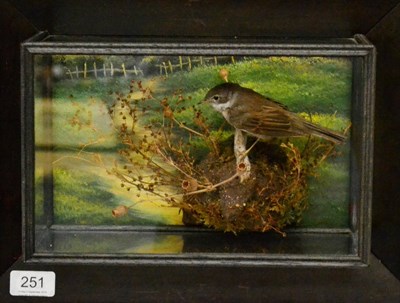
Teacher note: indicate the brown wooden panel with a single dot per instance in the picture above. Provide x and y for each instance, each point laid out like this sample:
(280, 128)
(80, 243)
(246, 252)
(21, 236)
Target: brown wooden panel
(205, 17)
(19, 19)
(215, 284)
(15, 28)
(386, 205)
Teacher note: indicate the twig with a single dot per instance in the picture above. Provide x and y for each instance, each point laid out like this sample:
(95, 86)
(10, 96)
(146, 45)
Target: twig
(250, 148)
(206, 138)
(88, 144)
(211, 187)
(172, 163)
(181, 125)
(76, 158)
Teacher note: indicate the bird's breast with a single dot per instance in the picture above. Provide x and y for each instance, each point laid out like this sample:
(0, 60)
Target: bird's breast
(226, 114)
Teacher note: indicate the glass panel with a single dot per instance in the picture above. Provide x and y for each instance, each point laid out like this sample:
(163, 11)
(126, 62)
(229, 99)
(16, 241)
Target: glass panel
(126, 242)
(128, 141)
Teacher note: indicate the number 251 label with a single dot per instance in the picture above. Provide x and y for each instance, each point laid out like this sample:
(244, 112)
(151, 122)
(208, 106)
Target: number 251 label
(32, 283)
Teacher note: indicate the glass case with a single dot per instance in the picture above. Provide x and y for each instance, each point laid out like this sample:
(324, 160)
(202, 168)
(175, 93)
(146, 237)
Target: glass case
(175, 151)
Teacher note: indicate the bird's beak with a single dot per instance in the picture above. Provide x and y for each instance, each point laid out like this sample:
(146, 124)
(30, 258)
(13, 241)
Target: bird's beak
(204, 101)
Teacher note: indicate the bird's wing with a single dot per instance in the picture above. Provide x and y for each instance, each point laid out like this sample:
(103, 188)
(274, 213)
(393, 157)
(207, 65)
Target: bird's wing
(269, 121)
(263, 99)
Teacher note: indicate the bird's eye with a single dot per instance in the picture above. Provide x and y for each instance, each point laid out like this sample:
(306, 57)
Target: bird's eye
(216, 98)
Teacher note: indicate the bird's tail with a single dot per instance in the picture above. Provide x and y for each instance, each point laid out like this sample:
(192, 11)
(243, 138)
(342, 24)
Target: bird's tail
(325, 133)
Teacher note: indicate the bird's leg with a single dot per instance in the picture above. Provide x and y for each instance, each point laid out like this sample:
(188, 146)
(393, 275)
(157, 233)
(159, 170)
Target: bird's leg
(241, 154)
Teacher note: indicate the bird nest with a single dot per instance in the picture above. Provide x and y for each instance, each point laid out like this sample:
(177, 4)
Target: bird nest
(193, 167)
(273, 197)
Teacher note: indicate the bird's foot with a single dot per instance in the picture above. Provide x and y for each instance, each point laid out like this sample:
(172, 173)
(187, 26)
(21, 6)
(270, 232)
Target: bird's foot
(243, 169)
(242, 160)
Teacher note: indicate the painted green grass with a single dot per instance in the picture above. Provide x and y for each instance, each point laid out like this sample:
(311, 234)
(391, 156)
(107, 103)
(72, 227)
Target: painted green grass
(82, 199)
(319, 88)
(328, 198)
(74, 123)
(303, 84)
(87, 88)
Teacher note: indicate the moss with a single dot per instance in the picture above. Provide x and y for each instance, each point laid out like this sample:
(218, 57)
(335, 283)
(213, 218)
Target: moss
(274, 197)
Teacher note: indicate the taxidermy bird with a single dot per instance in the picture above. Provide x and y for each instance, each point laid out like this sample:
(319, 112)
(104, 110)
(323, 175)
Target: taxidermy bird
(250, 113)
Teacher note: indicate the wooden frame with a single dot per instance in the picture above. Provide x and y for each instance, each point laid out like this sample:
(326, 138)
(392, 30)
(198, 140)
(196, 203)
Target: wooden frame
(357, 48)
